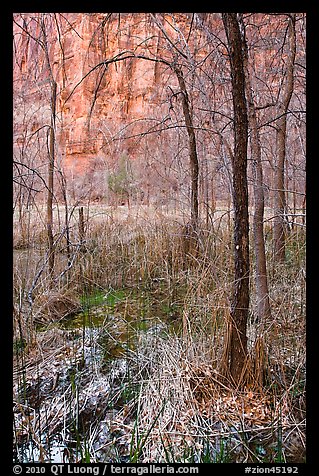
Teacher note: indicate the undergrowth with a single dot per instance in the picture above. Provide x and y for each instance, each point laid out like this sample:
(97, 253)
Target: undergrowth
(163, 309)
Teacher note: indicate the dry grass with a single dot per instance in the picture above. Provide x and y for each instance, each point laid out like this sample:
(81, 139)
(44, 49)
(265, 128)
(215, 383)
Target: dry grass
(185, 408)
(186, 411)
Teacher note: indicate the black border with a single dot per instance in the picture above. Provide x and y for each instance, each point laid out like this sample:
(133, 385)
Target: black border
(312, 201)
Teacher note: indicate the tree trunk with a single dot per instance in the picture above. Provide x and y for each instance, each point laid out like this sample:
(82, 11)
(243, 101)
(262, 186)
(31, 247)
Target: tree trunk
(294, 195)
(53, 86)
(51, 180)
(279, 198)
(262, 292)
(192, 149)
(81, 229)
(303, 221)
(240, 301)
(281, 126)
(66, 217)
(206, 191)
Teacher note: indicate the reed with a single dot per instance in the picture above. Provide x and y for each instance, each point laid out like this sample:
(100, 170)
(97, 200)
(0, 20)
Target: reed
(140, 261)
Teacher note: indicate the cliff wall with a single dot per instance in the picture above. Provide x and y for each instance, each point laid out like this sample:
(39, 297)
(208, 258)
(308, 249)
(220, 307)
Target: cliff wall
(108, 108)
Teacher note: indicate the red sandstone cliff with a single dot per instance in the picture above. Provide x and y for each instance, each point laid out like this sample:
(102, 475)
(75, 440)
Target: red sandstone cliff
(102, 108)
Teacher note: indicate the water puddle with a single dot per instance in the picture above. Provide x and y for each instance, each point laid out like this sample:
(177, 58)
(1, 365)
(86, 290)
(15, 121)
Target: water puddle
(67, 396)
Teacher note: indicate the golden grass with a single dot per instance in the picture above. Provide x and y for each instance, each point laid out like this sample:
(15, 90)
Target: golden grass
(181, 377)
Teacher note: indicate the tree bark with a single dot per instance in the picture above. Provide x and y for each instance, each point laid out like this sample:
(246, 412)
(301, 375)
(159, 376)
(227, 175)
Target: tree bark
(192, 149)
(240, 301)
(262, 292)
(51, 164)
(303, 221)
(51, 180)
(81, 229)
(281, 126)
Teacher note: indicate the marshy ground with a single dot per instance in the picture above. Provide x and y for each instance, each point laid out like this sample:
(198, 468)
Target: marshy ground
(121, 357)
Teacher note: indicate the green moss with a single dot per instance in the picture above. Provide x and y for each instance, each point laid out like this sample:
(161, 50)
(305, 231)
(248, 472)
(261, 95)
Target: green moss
(97, 298)
(19, 345)
(101, 297)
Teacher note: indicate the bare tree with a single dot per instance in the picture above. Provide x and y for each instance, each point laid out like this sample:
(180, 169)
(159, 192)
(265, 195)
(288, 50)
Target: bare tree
(262, 292)
(176, 59)
(281, 137)
(192, 149)
(53, 86)
(240, 301)
(42, 42)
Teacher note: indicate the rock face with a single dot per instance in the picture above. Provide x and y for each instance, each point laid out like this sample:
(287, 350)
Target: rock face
(108, 97)
(95, 104)
(111, 110)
